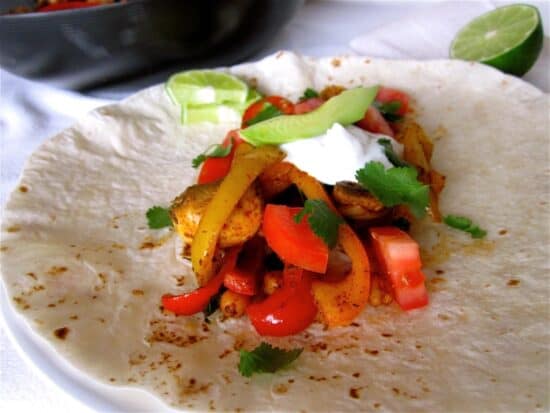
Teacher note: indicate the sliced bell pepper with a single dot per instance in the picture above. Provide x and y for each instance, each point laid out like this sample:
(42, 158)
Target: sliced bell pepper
(244, 278)
(247, 165)
(68, 5)
(196, 301)
(338, 302)
(289, 310)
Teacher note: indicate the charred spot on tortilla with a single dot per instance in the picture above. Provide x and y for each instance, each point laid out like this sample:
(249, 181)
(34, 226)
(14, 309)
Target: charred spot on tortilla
(32, 275)
(13, 228)
(280, 388)
(23, 189)
(513, 282)
(61, 333)
(354, 393)
(56, 270)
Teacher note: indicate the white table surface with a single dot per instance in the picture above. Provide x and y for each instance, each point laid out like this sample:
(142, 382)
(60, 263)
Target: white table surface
(319, 28)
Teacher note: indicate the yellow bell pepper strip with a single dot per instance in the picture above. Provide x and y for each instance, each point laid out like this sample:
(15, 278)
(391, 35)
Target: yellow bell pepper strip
(338, 302)
(247, 165)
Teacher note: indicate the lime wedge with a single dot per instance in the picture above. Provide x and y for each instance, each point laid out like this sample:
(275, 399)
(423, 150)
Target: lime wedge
(217, 113)
(197, 87)
(212, 112)
(509, 38)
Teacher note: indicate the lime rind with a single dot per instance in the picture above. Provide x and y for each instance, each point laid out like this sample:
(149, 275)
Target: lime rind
(471, 42)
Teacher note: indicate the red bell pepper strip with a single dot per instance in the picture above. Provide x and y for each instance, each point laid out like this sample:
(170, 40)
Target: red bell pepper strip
(68, 5)
(214, 169)
(307, 105)
(196, 301)
(294, 242)
(244, 278)
(284, 105)
(289, 310)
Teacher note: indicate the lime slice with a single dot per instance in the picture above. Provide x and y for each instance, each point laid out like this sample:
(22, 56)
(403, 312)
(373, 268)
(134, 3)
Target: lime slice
(196, 87)
(509, 38)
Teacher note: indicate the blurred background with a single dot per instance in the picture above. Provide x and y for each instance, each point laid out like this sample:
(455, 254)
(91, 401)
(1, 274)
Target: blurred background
(56, 66)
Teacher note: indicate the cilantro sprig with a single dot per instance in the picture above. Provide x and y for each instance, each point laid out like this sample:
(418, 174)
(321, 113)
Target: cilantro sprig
(269, 111)
(323, 221)
(214, 151)
(390, 154)
(395, 186)
(309, 93)
(158, 217)
(390, 110)
(464, 224)
(266, 359)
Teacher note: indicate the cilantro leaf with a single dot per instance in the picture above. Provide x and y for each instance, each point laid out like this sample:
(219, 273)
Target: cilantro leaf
(158, 217)
(198, 160)
(395, 186)
(390, 154)
(214, 151)
(464, 224)
(269, 111)
(266, 359)
(309, 93)
(389, 110)
(322, 220)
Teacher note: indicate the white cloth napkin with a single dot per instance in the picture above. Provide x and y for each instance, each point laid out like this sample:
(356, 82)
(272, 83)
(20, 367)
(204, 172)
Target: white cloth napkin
(428, 34)
(31, 112)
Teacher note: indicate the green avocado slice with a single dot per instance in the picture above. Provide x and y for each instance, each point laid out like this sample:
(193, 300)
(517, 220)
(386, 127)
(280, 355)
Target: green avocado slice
(346, 108)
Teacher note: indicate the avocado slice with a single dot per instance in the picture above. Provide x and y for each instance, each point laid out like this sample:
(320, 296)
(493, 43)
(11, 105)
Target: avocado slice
(346, 108)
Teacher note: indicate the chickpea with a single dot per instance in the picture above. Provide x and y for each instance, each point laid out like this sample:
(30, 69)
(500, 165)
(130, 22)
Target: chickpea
(233, 304)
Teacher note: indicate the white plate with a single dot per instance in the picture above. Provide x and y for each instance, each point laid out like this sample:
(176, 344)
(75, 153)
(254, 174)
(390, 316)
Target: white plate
(41, 355)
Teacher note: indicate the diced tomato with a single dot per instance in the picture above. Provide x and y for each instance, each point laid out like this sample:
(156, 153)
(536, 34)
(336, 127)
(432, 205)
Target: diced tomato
(284, 105)
(386, 95)
(214, 169)
(197, 300)
(307, 105)
(68, 5)
(295, 243)
(244, 278)
(374, 122)
(289, 310)
(399, 257)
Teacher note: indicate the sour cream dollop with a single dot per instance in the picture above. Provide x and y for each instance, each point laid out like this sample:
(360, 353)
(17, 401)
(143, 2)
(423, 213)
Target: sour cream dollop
(338, 153)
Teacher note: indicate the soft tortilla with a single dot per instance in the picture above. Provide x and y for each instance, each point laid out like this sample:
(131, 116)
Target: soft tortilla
(85, 271)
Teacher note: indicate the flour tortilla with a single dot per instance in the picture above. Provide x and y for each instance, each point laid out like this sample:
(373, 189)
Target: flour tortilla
(81, 266)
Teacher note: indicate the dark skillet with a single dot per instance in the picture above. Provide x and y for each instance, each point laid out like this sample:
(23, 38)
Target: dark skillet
(86, 47)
